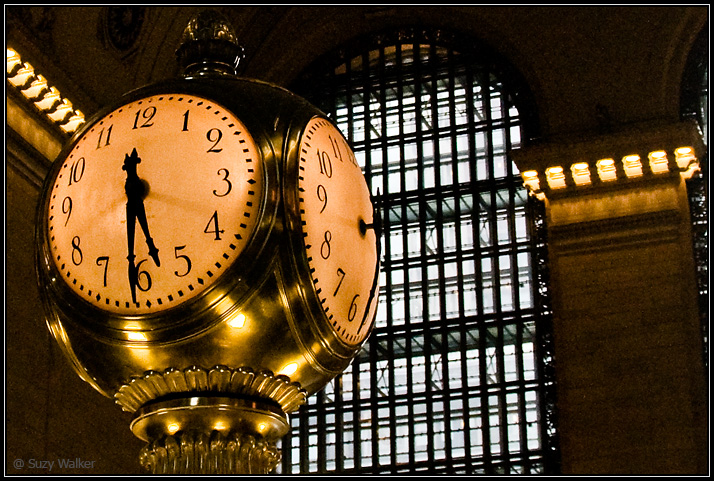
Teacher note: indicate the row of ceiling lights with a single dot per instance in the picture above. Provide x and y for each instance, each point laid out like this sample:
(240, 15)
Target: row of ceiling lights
(45, 98)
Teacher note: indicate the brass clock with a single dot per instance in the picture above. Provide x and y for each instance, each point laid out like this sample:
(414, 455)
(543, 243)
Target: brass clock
(337, 230)
(154, 203)
(208, 256)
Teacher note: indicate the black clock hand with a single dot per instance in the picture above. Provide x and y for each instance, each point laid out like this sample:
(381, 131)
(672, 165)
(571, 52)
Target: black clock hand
(135, 192)
(377, 226)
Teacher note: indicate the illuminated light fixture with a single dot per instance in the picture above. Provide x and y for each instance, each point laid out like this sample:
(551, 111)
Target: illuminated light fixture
(684, 156)
(581, 173)
(36, 89)
(74, 122)
(632, 166)
(238, 321)
(555, 177)
(530, 178)
(13, 61)
(606, 169)
(62, 112)
(289, 369)
(220, 426)
(47, 99)
(658, 162)
(173, 428)
(23, 75)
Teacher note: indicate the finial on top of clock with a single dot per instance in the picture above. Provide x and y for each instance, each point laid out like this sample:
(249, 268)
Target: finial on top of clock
(209, 45)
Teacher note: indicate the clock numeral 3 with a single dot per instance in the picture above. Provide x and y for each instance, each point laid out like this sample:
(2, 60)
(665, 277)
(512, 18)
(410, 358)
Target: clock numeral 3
(229, 186)
(67, 208)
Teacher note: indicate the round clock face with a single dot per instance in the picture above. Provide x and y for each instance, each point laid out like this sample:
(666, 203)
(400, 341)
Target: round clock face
(338, 231)
(154, 202)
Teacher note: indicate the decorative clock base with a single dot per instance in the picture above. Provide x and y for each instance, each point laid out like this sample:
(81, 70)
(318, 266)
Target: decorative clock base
(210, 435)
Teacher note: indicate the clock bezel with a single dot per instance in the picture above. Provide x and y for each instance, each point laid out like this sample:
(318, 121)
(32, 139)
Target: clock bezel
(226, 290)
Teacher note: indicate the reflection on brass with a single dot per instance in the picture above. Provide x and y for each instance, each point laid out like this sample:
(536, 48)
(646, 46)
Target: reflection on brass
(220, 379)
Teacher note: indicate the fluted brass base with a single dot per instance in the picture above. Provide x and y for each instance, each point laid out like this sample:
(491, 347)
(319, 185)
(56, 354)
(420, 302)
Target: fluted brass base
(210, 435)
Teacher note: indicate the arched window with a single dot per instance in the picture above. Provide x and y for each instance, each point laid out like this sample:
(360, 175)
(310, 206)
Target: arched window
(456, 376)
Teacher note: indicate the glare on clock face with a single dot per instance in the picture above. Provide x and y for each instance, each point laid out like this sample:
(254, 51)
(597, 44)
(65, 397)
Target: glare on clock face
(154, 202)
(338, 231)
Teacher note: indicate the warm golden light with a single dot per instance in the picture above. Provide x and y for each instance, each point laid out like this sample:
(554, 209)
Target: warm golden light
(173, 428)
(684, 156)
(220, 426)
(606, 169)
(581, 173)
(555, 177)
(658, 162)
(289, 369)
(632, 166)
(35, 88)
(238, 321)
(136, 336)
(530, 179)
(25, 73)
(13, 59)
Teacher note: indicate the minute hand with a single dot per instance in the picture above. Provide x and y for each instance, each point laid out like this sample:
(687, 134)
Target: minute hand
(135, 193)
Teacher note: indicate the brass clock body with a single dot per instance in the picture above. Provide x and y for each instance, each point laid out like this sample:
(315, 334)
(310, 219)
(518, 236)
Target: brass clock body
(173, 233)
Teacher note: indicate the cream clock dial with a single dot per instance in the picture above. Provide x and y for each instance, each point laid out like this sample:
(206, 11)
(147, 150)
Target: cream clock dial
(338, 231)
(153, 203)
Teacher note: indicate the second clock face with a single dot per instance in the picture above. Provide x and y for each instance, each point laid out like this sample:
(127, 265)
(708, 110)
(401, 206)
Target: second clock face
(338, 231)
(154, 202)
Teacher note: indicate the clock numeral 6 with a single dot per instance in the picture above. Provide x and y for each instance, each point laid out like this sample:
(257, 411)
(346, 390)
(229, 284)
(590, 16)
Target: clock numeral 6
(353, 309)
(142, 275)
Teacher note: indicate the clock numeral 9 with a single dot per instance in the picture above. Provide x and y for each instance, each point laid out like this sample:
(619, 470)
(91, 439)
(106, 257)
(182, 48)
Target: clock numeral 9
(322, 196)
(67, 208)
